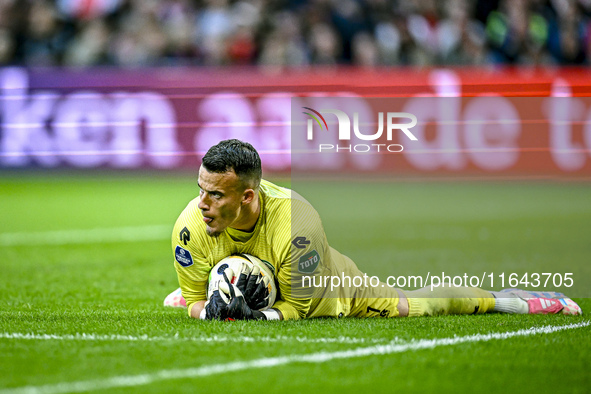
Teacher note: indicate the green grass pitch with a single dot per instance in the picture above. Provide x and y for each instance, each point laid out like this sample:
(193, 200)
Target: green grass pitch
(80, 311)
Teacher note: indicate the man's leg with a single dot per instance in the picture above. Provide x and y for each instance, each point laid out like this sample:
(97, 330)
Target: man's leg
(378, 302)
(472, 300)
(448, 301)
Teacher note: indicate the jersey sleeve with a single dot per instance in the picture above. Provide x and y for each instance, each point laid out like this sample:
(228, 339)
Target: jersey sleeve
(189, 248)
(302, 261)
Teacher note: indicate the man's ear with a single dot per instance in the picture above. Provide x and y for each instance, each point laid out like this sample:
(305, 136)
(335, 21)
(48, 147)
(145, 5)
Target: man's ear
(248, 196)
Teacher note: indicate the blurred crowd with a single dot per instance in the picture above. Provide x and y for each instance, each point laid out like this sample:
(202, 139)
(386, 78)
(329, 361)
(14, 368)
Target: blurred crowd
(365, 33)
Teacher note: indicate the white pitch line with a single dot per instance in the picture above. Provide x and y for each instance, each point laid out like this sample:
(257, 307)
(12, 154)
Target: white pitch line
(212, 339)
(96, 235)
(268, 362)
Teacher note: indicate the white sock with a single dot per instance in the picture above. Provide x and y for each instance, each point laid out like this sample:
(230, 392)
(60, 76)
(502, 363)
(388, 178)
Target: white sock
(509, 304)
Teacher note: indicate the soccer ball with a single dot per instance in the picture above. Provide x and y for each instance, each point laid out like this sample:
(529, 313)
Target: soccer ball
(235, 262)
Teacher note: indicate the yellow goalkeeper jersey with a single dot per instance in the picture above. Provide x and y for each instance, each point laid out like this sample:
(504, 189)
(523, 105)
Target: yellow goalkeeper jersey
(288, 234)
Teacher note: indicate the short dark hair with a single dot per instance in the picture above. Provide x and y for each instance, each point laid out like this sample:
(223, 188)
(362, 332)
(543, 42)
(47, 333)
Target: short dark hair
(238, 156)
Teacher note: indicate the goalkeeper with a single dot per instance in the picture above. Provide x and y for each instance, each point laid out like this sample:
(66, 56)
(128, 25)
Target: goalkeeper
(238, 212)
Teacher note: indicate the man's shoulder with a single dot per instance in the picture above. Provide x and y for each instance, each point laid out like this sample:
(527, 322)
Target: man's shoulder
(273, 191)
(286, 208)
(287, 201)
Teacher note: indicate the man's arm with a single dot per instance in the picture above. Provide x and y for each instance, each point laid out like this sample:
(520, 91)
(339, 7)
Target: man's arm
(189, 248)
(278, 313)
(197, 308)
(303, 256)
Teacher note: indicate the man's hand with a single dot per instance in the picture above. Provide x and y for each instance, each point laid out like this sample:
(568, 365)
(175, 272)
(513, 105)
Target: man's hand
(254, 287)
(216, 308)
(237, 308)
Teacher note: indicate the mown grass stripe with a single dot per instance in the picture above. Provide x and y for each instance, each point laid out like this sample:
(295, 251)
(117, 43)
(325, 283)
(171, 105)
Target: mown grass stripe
(96, 235)
(268, 362)
(213, 339)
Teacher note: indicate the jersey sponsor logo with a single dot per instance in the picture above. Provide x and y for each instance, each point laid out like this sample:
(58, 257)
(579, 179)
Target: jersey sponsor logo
(300, 242)
(183, 257)
(309, 262)
(185, 235)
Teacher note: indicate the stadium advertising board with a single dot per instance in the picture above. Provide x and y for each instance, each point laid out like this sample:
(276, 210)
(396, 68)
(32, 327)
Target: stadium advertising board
(163, 119)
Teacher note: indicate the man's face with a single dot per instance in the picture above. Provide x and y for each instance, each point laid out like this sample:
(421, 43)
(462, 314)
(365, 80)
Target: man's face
(221, 200)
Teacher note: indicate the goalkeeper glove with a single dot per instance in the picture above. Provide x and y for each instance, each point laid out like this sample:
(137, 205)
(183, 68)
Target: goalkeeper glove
(254, 287)
(216, 308)
(237, 307)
